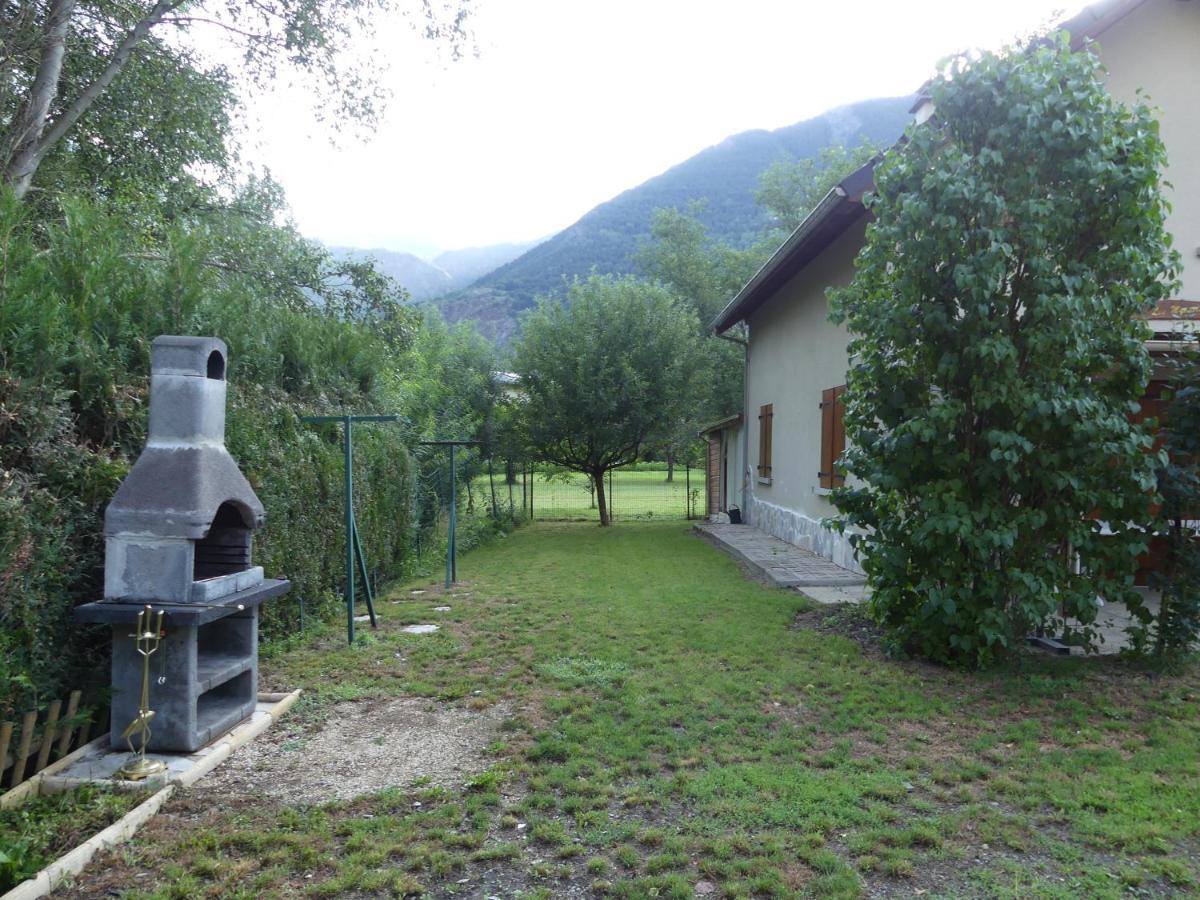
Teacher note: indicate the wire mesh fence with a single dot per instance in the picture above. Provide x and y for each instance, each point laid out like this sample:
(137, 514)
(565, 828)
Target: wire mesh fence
(645, 491)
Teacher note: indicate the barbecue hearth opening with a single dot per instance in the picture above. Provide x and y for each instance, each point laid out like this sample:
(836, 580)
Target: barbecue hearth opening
(226, 548)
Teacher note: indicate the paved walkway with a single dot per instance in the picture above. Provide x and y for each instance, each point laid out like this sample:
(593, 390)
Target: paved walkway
(784, 564)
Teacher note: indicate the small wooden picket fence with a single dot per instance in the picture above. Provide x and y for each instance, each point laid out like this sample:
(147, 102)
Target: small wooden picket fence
(37, 747)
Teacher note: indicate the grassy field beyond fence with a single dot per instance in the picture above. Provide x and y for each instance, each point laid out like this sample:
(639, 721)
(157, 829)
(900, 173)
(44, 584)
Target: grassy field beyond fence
(633, 493)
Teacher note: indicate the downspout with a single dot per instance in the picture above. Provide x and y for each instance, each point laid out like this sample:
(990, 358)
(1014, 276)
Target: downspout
(745, 467)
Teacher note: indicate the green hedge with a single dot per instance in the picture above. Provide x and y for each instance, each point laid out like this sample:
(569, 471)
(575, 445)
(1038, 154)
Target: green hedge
(81, 297)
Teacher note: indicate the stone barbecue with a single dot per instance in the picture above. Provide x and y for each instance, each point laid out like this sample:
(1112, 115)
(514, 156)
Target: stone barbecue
(178, 539)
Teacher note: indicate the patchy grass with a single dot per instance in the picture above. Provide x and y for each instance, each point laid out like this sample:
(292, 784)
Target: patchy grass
(36, 833)
(674, 722)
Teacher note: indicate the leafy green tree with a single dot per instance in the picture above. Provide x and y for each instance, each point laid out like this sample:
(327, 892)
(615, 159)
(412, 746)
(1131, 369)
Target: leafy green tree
(683, 255)
(706, 273)
(790, 188)
(603, 372)
(61, 57)
(998, 352)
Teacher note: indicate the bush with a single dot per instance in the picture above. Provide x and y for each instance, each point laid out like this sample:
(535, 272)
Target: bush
(995, 311)
(81, 297)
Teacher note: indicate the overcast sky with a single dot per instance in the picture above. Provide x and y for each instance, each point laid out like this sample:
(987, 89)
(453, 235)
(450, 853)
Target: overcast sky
(571, 102)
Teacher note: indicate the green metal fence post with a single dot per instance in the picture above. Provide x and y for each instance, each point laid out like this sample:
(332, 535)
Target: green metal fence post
(450, 573)
(451, 538)
(348, 454)
(353, 545)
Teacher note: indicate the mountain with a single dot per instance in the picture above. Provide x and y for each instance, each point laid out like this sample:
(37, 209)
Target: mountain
(447, 272)
(473, 263)
(724, 177)
(420, 278)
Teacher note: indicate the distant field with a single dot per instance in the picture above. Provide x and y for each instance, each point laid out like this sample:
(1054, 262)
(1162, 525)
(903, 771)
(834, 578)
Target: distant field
(634, 495)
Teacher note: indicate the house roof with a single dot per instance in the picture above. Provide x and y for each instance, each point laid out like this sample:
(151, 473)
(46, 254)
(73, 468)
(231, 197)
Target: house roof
(735, 419)
(839, 209)
(843, 205)
(1097, 18)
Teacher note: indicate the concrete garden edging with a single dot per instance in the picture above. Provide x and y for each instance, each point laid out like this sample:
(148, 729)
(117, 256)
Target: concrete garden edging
(73, 861)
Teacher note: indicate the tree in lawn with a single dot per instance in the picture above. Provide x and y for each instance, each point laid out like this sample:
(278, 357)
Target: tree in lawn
(998, 352)
(603, 372)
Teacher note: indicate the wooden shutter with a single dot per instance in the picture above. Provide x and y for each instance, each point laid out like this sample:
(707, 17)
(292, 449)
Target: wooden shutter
(766, 415)
(833, 436)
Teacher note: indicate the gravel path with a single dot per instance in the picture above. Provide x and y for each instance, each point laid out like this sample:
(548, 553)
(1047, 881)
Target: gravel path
(361, 748)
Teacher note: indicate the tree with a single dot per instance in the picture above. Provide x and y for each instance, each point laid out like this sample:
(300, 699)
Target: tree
(62, 56)
(790, 188)
(705, 273)
(998, 352)
(603, 372)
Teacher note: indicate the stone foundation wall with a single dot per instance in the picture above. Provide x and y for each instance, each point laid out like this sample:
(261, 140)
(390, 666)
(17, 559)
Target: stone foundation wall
(801, 530)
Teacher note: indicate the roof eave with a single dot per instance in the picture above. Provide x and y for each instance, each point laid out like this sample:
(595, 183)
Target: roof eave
(735, 419)
(849, 191)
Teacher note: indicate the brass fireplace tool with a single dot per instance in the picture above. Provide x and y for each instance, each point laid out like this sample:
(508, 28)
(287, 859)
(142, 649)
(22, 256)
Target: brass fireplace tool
(148, 635)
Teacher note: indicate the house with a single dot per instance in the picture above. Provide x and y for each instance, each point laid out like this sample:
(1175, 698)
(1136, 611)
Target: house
(776, 461)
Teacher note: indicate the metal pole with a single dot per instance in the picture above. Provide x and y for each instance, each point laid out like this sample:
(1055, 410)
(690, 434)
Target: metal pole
(450, 561)
(348, 448)
(362, 569)
(687, 480)
(352, 543)
(492, 485)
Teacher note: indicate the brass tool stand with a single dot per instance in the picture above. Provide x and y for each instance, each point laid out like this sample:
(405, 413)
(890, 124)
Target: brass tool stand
(148, 635)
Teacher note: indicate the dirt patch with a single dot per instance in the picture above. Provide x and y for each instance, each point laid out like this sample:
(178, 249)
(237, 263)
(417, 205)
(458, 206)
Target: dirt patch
(850, 621)
(361, 748)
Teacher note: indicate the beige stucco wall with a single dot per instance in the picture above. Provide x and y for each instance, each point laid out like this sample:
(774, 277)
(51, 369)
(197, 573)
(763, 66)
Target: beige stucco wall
(1157, 48)
(795, 353)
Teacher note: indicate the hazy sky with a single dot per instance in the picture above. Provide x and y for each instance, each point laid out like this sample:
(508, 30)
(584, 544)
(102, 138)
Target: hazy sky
(571, 102)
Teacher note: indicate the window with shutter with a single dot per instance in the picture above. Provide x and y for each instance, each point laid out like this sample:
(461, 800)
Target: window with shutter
(833, 436)
(766, 414)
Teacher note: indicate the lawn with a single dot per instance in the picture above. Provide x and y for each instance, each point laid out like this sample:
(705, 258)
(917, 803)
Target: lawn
(675, 725)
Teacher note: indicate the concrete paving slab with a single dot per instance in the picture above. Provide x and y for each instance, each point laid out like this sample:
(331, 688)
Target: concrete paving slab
(781, 563)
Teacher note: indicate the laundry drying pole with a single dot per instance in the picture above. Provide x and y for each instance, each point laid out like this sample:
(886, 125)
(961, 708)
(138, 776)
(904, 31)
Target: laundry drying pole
(354, 550)
(451, 550)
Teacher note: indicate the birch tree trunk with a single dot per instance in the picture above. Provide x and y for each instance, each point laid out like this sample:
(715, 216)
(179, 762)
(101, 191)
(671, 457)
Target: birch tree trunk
(25, 133)
(32, 135)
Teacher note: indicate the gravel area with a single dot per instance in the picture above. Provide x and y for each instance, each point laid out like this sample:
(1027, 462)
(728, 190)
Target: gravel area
(361, 748)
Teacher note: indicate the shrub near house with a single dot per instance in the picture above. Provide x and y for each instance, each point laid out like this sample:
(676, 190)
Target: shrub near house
(1018, 236)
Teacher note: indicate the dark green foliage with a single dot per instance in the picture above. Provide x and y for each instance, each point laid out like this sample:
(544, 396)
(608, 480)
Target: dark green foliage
(80, 299)
(724, 177)
(1173, 632)
(790, 189)
(999, 354)
(139, 222)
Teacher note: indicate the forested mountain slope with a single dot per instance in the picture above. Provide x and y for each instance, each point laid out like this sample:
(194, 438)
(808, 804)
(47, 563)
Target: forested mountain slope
(723, 177)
